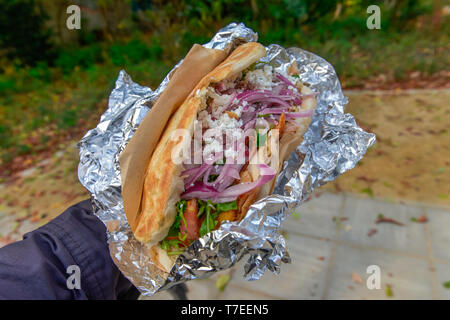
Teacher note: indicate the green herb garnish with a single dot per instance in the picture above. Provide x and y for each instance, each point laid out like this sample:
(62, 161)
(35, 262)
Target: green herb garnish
(210, 210)
(201, 207)
(172, 253)
(209, 223)
(226, 206)
(174, 230)
(212, 177)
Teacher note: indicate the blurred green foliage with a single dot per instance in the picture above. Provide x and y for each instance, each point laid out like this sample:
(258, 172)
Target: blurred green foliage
(23, 34)
(51, 85)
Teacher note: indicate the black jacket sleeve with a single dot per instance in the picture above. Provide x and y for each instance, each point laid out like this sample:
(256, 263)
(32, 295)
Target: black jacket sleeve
(38, 267)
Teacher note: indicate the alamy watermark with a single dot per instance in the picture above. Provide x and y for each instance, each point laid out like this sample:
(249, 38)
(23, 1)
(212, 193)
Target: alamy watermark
(74, 20)
(374, 279)
(374, 20)
(231, 146)
(74, 279)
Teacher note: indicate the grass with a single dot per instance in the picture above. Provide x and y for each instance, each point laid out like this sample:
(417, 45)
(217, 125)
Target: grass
(40, 107)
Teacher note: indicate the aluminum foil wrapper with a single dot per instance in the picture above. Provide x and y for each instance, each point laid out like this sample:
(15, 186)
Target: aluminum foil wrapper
(333, 144)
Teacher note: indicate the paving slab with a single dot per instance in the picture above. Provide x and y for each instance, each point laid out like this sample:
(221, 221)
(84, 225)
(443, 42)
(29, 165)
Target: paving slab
(443, 277)
(362, 214)
(304, 278)
(408, 277)
(315, 217)
(439, 222)
(414, 259)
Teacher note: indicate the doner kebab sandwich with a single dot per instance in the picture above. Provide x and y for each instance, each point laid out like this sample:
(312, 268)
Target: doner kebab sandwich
(250, 118)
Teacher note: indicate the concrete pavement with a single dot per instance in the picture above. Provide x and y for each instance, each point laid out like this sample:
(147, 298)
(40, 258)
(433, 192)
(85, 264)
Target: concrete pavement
(334, 238)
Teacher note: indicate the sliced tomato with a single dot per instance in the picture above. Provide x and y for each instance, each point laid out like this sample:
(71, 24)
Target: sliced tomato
(193, 222)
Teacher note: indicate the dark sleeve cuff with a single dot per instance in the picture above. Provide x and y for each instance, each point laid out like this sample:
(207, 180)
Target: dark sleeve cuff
(36, 267)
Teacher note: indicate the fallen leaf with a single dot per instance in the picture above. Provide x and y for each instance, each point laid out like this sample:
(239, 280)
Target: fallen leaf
(35, 217)
(39, 194)
(388, 291)
(388, 220)
(422, 219)
(222, 281)
(339, 219)
(372, 232)
(296, 215)
(23, 218)
(356, 278)
(446, 285)
(366, 179)
(368, 191)
(6, 240)
(25, 205)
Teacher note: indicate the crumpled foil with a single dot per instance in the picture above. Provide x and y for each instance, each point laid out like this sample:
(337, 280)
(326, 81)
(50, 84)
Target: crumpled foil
(333, 144)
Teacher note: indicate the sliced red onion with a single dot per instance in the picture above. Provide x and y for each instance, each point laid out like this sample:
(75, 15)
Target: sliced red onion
(199, 191)
(233, 172)
(273, 110)
(285, 80)
(245, 93)
(277, 89)
(227, 181)
(223, 173)
(194, 174)
(273, 102)
(249, 125)
(301, 114)
(297, 101)
(266, 174)
(247, 116)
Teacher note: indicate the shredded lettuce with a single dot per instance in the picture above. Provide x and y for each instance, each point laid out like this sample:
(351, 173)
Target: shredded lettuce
(210, 222)
(226, 206)
(201, 207)
(212, 177)
(174, 230)
(208, 208)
